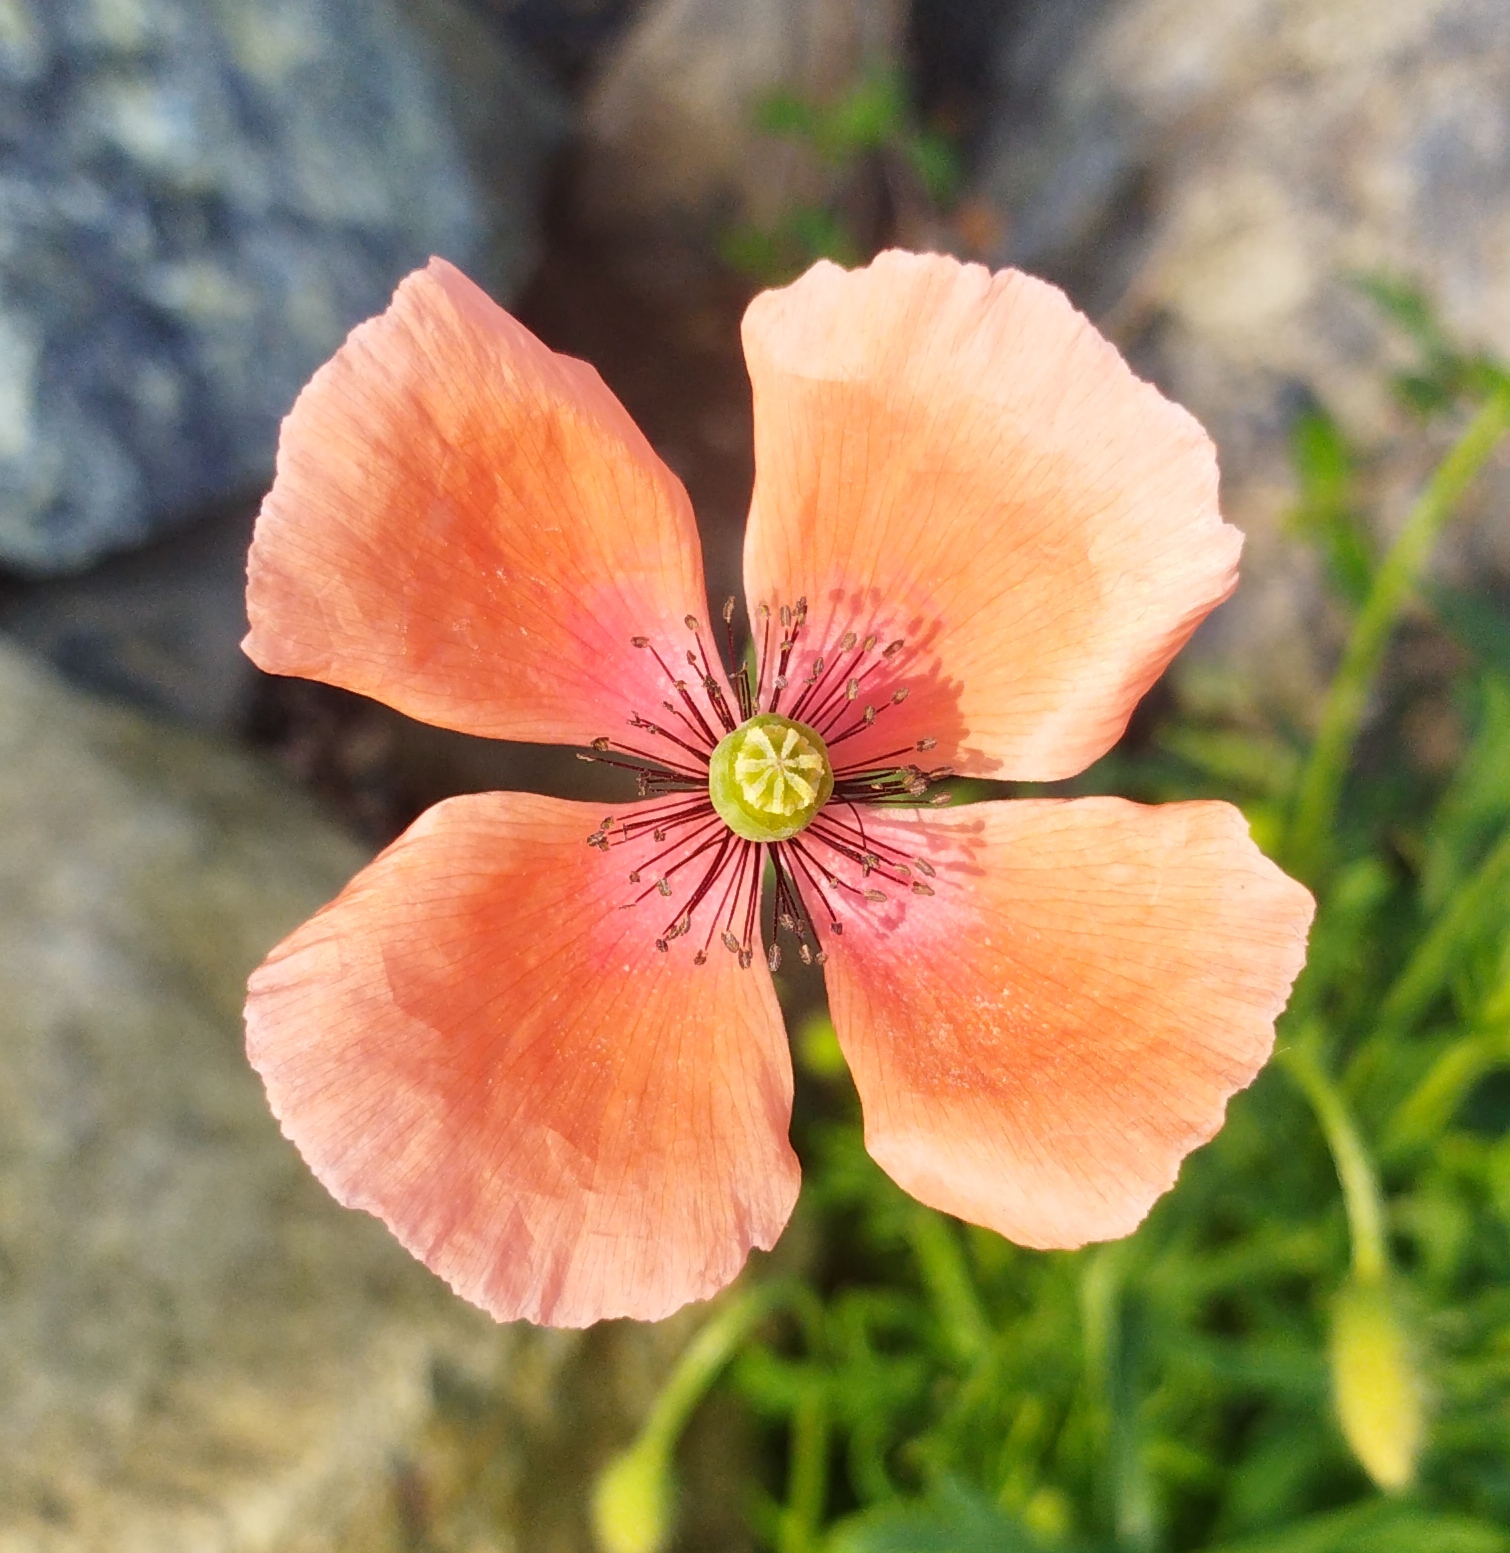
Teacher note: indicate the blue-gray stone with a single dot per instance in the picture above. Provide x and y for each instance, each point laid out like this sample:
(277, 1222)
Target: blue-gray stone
(198, 198)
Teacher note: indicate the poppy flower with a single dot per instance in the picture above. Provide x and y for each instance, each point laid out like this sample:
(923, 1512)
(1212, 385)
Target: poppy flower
(542, 1044)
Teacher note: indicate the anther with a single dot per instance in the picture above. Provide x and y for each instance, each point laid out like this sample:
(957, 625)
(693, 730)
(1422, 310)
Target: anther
(663, 885)
(786, 616)
(874, 896)
(662, 945)
(804, 954)
(658, 834)
(690, 622)
(926, 744)
(601, 744)
(847, 641)
(639, 641)
(729, 611)
(939, 800)
(837, 929)
(923, 866)
(851, 690)
(730, 942)
(701, 957)
(870, 641)
(919, 888)
(746, 959)
(893, 648)
(773, 958)
(634, 878)
(900, 695)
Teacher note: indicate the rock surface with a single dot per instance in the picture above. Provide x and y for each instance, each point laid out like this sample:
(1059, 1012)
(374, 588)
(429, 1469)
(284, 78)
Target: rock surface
(199, 1349)
(1209, 179)
(160, 626)
(197, 199)
(200, 1352)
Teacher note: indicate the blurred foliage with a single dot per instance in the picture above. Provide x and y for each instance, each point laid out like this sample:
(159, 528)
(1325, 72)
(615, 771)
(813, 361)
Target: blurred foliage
(871, 125)
(1306, 1347)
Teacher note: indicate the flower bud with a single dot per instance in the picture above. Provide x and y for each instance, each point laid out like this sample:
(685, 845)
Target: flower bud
(632, 1501)
(1375, 1384)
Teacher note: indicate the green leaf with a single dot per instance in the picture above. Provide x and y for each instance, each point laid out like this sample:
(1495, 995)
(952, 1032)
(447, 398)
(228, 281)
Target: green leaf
(872, 114)
(1250, 762)
(937, 163)
(1327, 512)
(1476, 806)
(1479, 623)
(786, 114)
(1378, 1527)
(954, 1520)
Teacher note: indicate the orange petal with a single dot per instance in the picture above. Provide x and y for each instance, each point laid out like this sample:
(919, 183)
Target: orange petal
(475, 1044)
(1040, 1043)
(959, 459)
(470, 528)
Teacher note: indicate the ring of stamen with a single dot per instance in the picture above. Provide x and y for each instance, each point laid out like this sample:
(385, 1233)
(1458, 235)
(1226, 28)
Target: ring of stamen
(731, 795)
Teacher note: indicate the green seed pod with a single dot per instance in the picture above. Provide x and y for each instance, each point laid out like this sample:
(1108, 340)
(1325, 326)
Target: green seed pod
(770, 777)
(632, 1501)
(1375, 1384)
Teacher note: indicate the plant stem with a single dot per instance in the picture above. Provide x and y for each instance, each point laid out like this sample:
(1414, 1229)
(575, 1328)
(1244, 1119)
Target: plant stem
(807, 1473)
(1427, 969)
(941, 1260)
(699, 1366)
(1355, 1171)
(1321, 782)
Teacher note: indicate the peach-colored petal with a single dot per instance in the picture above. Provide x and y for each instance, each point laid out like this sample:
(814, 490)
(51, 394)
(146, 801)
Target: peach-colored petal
(1039, 1043)
(470, 528)
(959, 459)
(475, 1044)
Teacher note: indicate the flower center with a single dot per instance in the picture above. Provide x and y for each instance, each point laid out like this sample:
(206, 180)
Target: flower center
(769, 778)
(763, 789)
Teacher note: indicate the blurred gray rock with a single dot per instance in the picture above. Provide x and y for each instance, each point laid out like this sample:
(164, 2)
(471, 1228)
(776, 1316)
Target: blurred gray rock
(200, 1352)
(160, 626)
(1209, 179)
(199, 1349)
(197, 199)
(672, 149)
